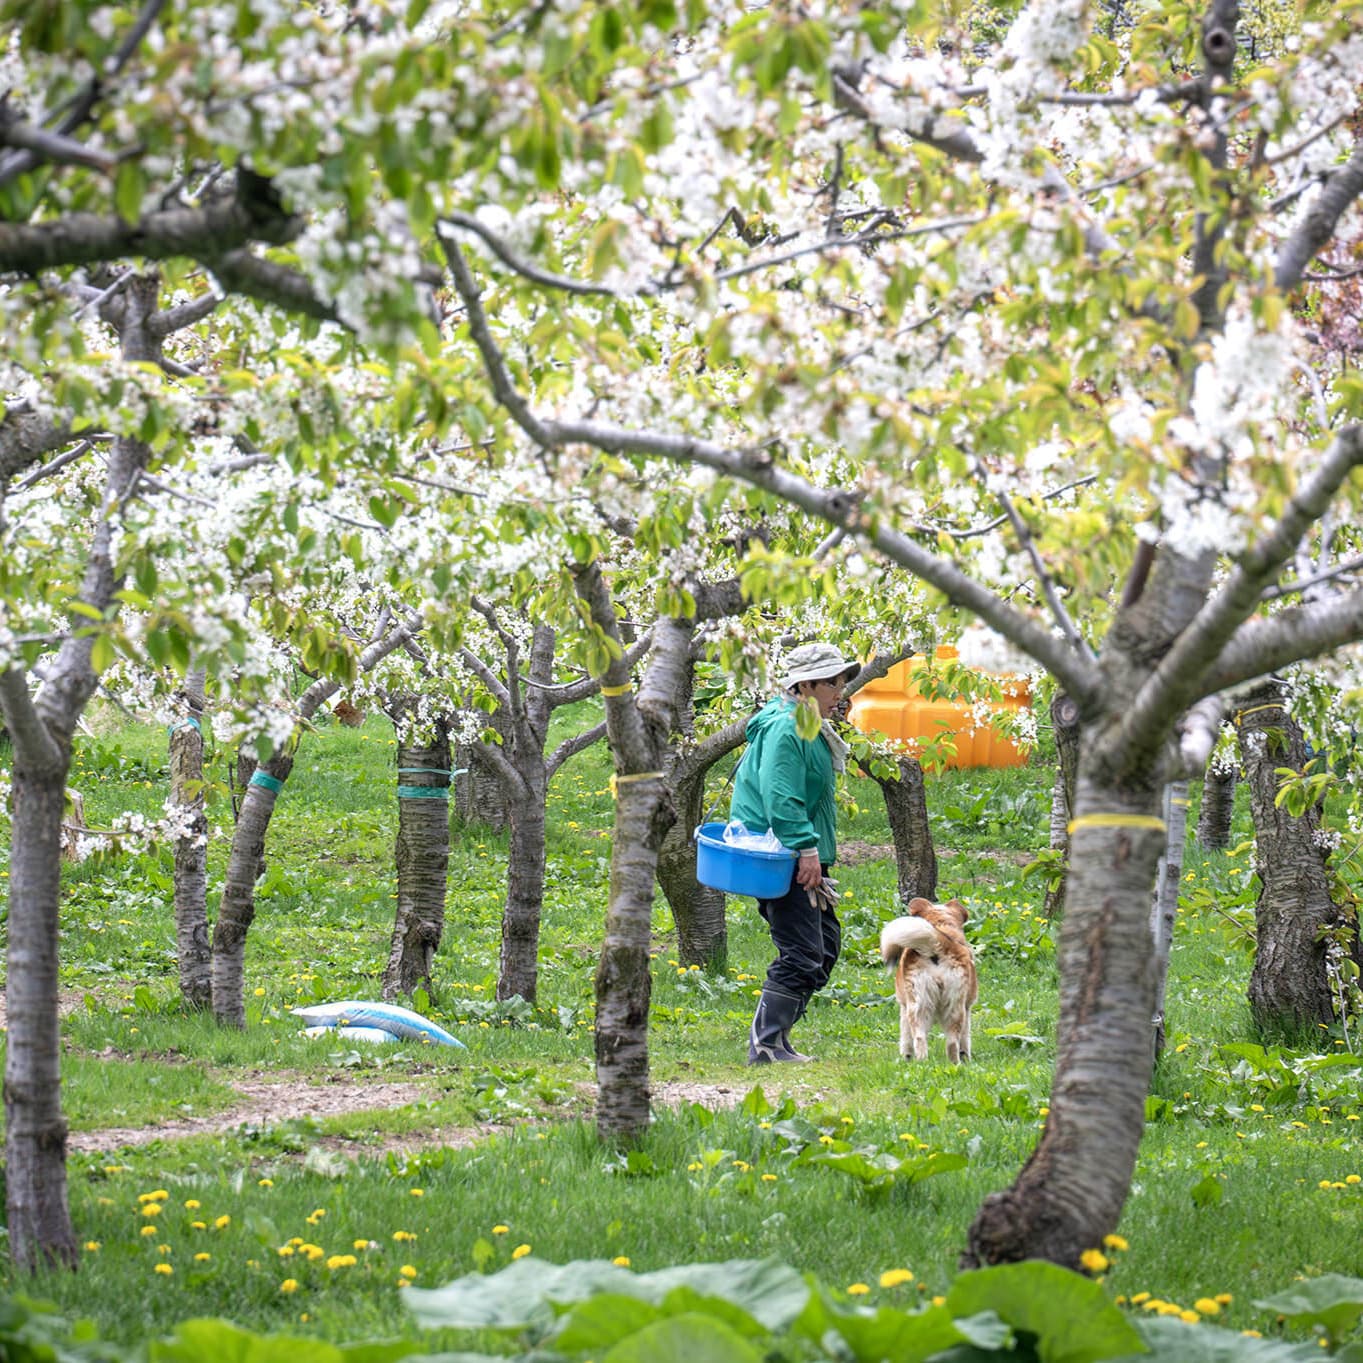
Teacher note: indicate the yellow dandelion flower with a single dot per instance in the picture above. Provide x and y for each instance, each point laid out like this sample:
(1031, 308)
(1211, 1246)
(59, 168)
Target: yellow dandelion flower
(159, 1195)
(198, 1225)
(621, 1261)
(403, 1236)
(1115, 1242)
(258, 992)
(1190, 1316)
(148, 1230)
(265, 1183)
(417, 1192)
(222, 1223)
(1352, 1178)
(1251, 1334)
(768, 1178)
(1324, 1183)
(1094, 1260)
(202, 1258)
(1139, 1297)
(500, 1229)
(92, 1246)
(313, 1252)
(289, 1285)
(285, 1251)
(1223, 1299)
(164, 1269)
(341, 1261)
(407, 1271)
(893, 1277)
(939, 1301)
(520, 1251)
(857, 1289)
(192, 1204)
(1152, 1304)
(1207, 1306)
(152, 1209)
(359, 1244)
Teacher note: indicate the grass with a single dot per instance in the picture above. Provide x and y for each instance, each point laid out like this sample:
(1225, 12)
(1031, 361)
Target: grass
(1227, 1196)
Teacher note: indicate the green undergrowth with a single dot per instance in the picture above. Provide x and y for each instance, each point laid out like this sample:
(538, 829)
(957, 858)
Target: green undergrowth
(854, 1172)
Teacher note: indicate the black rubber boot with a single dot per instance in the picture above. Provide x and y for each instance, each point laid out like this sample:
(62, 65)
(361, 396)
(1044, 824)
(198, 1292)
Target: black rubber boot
(768, 1039)
(785, 1036)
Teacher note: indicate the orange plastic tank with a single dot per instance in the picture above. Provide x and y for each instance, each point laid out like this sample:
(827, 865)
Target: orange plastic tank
(895, 707)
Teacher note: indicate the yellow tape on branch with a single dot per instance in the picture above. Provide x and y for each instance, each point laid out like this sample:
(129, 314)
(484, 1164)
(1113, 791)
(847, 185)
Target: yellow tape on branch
(1254, 710)
(1116, 821)
(617, 781)
(617, 690)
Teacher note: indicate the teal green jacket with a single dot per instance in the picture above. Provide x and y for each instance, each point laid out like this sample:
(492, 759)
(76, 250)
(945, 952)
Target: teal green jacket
(786, 783)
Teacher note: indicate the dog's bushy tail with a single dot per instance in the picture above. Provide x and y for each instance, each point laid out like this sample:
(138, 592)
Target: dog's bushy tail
(909, 933)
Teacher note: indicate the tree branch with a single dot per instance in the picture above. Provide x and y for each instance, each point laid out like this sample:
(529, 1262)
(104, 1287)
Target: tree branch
(171, 320)
(1080, 678)
(34, 745)
(1181, 676)
(1337, 194)
(240, 272)
(570, 747)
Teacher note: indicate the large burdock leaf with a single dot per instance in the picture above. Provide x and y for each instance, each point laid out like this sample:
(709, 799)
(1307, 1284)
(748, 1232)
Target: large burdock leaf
(1070, 1316)
(766, 1289)
(685, 1339)
(910, 1337)
(517, 1297)
(1176, 1341)
(218, 1341)
(1332, 1301)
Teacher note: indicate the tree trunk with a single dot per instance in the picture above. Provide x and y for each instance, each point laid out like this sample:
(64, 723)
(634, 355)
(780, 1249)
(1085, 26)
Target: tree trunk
(1164, 911)
(518, 969)
(422, 856)
(1065, 726)
(1218, 805)
(480, 796)
(237, 908)
(1071, 1191)
(1289, 987)
(39, 1220)
(906, 805)
(192, 951)
(697, 910)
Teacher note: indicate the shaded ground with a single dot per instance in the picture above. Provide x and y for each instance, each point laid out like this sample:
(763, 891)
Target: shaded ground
(274, 1103)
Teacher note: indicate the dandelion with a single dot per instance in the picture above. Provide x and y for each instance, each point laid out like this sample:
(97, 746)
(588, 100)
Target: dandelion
(1139, 1297)
(289, 1285)
(341, 1261)
(92, 1246)
(159, 1195)
(152, 1209)
(202, 1258)
(222, 1223)
(939, 1301)
(404, 1236)
(1115, 1242)
(893, 1277)
(1223, 1299)
(360, 1244)
(197, 1225)
(148, 1230)
(265, 1183)
(417, 1192)
(164, 1269)
(312, 1252)
(1352, 1178)
(768, 1178)
(520, 1251)
(1207, 1306)
(1094, 1260)
(1190, 1316)
(1324, 1183)
(192, 1204)
(407, 1271)
(621, 1261)
(857, 1289)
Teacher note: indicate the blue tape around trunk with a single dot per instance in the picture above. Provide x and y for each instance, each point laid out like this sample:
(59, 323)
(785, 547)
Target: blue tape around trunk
(423, 792)
(266, 781)
(189, 722)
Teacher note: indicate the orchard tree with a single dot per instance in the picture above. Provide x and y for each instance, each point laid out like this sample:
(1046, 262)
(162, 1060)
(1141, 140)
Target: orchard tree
(1022, 317)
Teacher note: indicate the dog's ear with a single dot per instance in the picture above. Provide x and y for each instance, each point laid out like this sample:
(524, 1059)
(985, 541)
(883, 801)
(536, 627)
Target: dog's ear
(959, 909)
(916, 906)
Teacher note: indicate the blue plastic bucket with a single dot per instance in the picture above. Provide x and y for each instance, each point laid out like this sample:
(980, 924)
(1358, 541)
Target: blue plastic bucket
(741, 870)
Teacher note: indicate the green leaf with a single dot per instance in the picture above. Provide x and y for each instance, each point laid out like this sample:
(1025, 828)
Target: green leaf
(102, 653)
(217, 1341)
(1176, 1341)
(602, 1322)
(1332, 1301)
(129, 186)
(1207, 1192)
(516, 1297)
(685, 1339)
(1071, 1316)
(909, 1337)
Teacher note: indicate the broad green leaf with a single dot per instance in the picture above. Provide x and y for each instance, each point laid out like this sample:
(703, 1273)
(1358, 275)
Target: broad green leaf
(516, 1297)
(1177, 1341)
(218, 1341)
(685, 1339)
(1332, 1301)
(602, 1322)
(908, 1336)
(1071, 1316)
(1207, 1192)
(769, 1291)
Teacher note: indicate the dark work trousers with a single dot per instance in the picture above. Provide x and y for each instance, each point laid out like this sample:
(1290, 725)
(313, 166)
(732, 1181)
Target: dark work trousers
(809, 940)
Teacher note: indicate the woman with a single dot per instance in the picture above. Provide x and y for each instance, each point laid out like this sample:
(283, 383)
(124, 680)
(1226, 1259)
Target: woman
(786, 783)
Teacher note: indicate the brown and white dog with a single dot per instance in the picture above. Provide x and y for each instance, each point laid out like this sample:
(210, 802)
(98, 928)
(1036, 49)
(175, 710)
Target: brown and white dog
(934, 976)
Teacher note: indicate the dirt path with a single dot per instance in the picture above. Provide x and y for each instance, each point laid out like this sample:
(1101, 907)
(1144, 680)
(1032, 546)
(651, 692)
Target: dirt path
(272, 1104)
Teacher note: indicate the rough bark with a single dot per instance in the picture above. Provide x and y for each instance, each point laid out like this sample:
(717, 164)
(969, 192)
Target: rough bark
(192, 950)
(697, 910)
(518, 968)
(237, 907)
(1218, 805)
(422, 856)
(639, 730)
(1164, 910)
(480, 795)
(1289, 987)
(906, 806)
(38, 1214)
(1065, 726)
